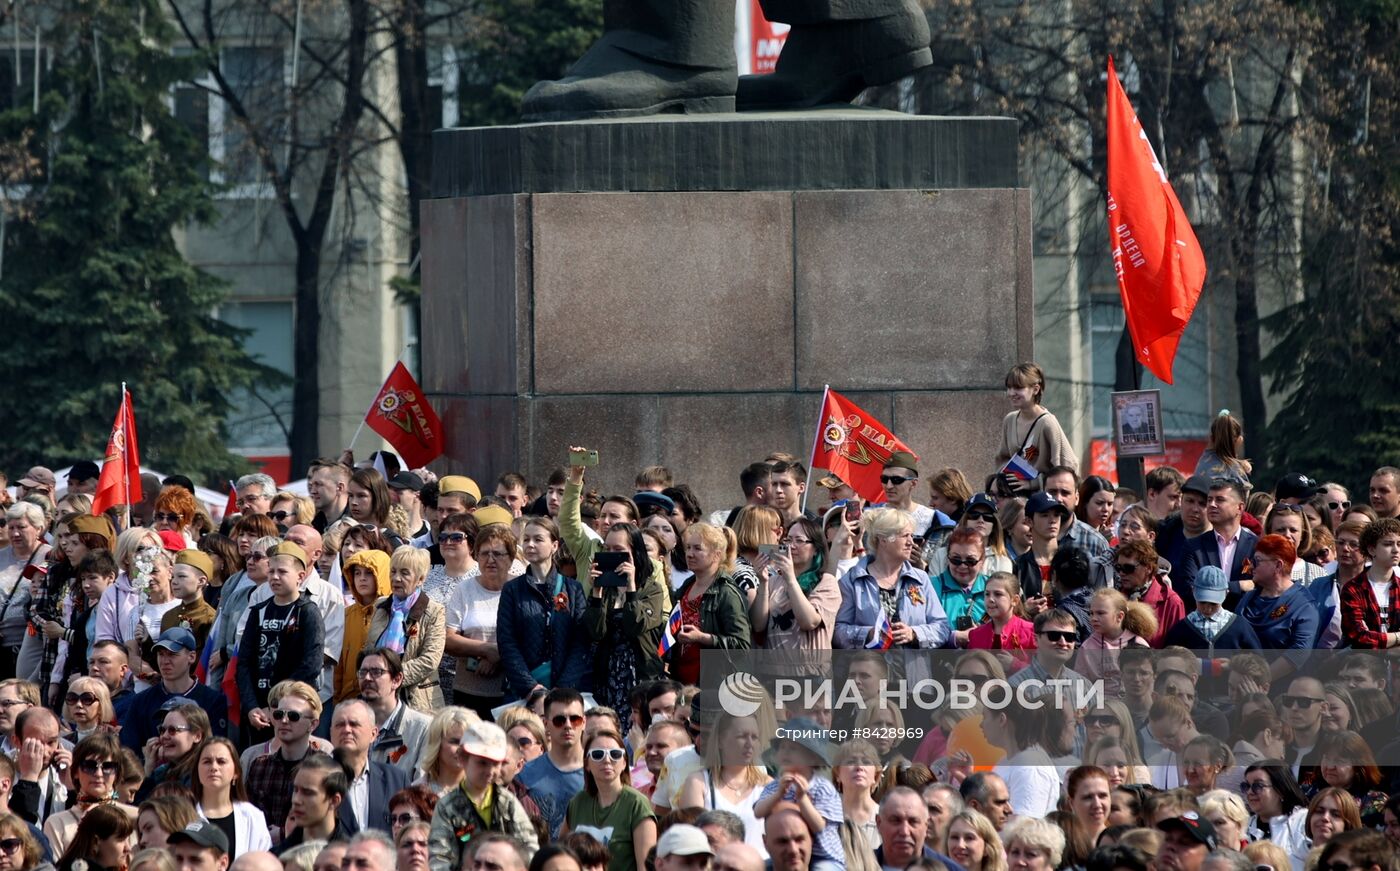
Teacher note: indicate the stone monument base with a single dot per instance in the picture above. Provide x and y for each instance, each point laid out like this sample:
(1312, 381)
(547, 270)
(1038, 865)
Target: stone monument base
(679, 290)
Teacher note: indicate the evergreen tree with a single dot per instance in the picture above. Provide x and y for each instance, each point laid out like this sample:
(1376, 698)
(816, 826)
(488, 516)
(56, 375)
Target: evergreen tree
(95, 289)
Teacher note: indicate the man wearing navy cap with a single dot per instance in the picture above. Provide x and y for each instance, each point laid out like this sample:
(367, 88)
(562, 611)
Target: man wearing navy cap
(82, 477)
(199, 846)
(175, 660)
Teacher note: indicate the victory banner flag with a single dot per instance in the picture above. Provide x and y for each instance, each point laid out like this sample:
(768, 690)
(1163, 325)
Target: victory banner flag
(1159, 263)
(120, 481)
(403, 418)
(853, 446)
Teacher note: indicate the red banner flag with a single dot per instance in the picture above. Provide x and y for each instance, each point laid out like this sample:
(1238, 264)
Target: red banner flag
(1158, 261)
(853, 446)
(402, 416)
(231, 506)
(120, 481)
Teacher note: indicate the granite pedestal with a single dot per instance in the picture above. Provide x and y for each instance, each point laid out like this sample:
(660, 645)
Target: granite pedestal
(678, 290)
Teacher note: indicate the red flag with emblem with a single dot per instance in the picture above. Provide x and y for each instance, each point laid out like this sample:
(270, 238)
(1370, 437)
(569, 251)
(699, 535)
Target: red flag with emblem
(402, 416)
(1159, 263)
(853, 445)
(120, 481)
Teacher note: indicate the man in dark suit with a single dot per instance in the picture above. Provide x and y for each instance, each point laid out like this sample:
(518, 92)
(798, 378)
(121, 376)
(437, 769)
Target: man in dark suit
(1226, 545)
(366, 804)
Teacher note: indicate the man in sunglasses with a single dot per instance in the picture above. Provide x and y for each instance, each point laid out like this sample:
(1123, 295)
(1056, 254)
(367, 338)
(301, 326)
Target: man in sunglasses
(1302, 705)
(1057, 635)
(294, 717)
(402, 730)
(556, 776)
(900, 479)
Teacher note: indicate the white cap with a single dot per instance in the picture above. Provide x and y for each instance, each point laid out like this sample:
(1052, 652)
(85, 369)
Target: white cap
(486, 740)
(683, 840)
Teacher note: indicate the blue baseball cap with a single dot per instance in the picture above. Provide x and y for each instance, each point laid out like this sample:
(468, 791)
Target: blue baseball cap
(1210, 585)
(1041, 502)
(177, 639)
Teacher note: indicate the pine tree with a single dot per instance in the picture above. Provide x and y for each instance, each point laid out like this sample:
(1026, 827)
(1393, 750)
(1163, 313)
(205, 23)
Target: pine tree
(95, 289)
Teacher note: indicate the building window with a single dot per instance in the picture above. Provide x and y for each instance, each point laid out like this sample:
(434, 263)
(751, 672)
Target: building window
(259, 417)
(1185, 404)
(258, 78)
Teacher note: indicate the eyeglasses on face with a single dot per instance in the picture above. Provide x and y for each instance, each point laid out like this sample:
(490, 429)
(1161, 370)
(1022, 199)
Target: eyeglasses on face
(165, 517)
(175, 730)
(559, 720)
(492, 555)
(1299, 701)
(404, 819)
(256, 557)
(451, 537)
(1344, 505)
(290, 716)
(95, 767)
(1101, 721)
(249, 500)
(962, 561)
(525, 741)
(280, 516)
(598, 754)
(372, 673)
(1253, 786)
(10, 845)
(984, 516)
(896, 480)
(84, 699)
(1060, 635)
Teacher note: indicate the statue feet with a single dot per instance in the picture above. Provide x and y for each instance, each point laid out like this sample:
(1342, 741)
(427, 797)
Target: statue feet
(611, 82)
(833, 62)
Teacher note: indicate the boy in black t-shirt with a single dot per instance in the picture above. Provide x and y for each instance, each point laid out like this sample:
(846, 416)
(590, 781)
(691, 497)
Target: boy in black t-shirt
(282, 638)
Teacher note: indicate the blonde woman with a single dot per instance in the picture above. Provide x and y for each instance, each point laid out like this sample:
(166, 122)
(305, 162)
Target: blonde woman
(413, 626)
(885, 589)
(442, 769)
(733, 776)
(88, 706)
(1226, 811)
(116, 609)
(973, 842)
(714, 613)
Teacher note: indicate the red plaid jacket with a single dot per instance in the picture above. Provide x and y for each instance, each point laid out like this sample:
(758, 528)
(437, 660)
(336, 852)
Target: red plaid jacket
(1361, 613)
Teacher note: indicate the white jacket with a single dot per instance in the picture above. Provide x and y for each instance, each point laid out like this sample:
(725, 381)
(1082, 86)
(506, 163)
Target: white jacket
(250, 832)
(1288, 831)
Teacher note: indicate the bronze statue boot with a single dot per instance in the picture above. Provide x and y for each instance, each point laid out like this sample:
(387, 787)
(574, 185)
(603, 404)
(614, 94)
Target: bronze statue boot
(611, 81)
(833, 62)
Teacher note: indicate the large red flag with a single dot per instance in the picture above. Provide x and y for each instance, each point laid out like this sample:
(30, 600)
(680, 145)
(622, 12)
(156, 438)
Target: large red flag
(1159, 263)
(402, 416)
(853, 446)
(120, 481)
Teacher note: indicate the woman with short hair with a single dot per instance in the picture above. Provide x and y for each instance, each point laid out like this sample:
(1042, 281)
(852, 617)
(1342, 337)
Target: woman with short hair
(412, 625)
(24, 855)
(95, 769)
(25, 527)
(1032, 844)
(88, 706)
(471, 622)
(884, 589)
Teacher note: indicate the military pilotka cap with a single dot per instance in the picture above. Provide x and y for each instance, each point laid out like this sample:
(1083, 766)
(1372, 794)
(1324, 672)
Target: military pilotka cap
(903, 460)
(291, 549)
(197, 559)
(449, 484)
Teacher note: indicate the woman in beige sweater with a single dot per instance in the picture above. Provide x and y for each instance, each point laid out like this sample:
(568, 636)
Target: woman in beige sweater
(1031, 431)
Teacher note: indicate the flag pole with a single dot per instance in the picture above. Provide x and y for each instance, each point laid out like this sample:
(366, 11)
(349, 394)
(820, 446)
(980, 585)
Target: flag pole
(361, 428)
(812, 457)
(126, 479)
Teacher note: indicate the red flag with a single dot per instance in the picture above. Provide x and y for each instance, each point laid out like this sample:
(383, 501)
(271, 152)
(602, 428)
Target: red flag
(120, 481)
(853, 446)
(402, 416)
(231, 506)
(1159, 263)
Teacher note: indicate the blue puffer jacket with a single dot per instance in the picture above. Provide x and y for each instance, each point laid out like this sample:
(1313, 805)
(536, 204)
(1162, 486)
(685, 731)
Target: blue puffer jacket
(526, 612)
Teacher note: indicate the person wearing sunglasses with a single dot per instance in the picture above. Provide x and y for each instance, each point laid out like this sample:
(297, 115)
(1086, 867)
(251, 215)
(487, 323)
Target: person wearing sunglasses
(95, 769)
(557, 775)
(1337, 501)
(1057, 636)
(454, 563)
(410, 805)
(609, 809)
(238, 590)
(221, 797)
(170, 756)
(900, 478)
(961, 587)
(296, 711)
(979, 515)
(478, 805)
(19, 848)
(1282, 612)
(367, 578)
(88, 707)
(1278, 809)
(175, 511)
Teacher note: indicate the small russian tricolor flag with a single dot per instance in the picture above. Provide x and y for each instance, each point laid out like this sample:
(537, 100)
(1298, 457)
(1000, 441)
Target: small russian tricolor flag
(668, 636)
(1019, 467)
(884, 633)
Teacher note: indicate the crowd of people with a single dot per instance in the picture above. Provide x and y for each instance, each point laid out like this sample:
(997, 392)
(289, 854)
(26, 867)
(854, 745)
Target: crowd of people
(406, 671)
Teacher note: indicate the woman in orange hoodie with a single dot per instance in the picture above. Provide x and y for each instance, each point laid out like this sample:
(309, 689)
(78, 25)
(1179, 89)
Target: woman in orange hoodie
(367, 575)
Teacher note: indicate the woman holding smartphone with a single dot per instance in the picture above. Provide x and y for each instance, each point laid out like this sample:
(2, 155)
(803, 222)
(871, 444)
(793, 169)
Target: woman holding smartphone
(798, 596)
(625, 622)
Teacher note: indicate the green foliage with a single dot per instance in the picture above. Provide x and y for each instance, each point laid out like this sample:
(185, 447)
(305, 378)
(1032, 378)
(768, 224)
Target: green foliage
(1337, 350)
(95, 289)
(517, 43)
